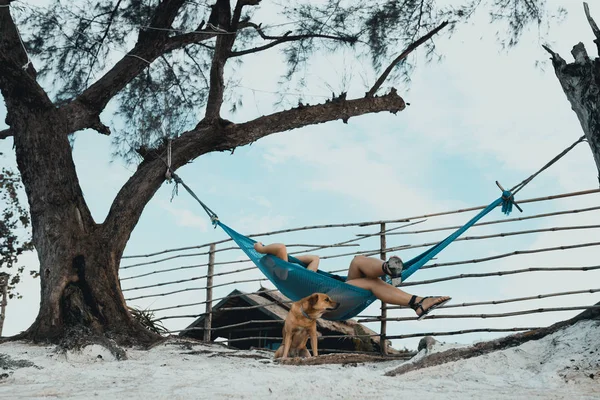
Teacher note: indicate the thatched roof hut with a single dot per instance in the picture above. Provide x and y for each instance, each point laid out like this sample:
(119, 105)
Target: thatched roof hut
(255, 320)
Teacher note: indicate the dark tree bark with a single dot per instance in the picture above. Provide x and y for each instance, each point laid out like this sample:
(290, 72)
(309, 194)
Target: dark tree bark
(580, 81)
(79, 258)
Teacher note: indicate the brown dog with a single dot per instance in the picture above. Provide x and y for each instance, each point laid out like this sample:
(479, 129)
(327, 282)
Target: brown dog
(301, 322)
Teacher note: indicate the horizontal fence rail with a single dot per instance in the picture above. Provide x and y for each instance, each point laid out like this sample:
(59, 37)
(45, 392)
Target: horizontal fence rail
(484, 316)
(498, 221)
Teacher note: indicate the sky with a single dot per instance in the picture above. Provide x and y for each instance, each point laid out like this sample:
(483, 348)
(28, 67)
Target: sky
(479, 115)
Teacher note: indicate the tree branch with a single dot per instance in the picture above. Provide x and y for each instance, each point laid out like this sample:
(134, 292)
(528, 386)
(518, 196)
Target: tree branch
(129, 203)
(593, 25)
(223, 46)
(199, 141)
(580, 54)
(287, 37)
(557, 60)
(152, 43)
(84, 110)
(161, 21)
(411, 47)
(5, 133)
(111, 19)
(17, 75)
(139, 189)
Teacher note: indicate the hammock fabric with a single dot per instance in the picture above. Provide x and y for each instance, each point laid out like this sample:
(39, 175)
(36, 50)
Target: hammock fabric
(296, 282)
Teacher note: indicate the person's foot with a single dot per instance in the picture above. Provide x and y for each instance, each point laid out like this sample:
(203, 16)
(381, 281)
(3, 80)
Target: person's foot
(393, 267)
(424, 305)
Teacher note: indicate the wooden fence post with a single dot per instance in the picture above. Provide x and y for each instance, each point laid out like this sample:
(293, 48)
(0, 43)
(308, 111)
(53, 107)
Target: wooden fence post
(209, 293)
(383, 329)
(4, 287)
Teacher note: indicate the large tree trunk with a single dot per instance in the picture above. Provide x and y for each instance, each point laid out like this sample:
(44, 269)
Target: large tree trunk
(79, 259)
(580, 81)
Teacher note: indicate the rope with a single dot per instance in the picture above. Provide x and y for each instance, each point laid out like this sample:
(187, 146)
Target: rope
(520, 186)
(170, 174)
(28, 63)
(169, 156)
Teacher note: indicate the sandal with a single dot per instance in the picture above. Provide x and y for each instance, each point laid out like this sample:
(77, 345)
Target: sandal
(419, 305)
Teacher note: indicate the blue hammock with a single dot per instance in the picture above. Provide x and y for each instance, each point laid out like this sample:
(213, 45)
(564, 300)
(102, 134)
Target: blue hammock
(296, 282)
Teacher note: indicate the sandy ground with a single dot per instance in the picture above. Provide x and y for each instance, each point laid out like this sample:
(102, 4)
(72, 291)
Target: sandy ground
(565, 365)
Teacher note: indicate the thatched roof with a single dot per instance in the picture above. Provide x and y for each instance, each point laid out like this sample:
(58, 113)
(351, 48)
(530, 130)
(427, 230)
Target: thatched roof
(276, 306)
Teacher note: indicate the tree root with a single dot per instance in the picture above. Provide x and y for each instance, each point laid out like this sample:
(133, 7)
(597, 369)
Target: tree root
(81, 337)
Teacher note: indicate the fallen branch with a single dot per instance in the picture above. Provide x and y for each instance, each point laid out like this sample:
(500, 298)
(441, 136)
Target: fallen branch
(494, 345)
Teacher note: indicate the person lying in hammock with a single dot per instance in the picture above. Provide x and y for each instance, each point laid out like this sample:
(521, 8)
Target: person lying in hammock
(365, 272)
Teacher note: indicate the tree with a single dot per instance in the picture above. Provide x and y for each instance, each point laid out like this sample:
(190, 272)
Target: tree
(580, 81)
(79, 257)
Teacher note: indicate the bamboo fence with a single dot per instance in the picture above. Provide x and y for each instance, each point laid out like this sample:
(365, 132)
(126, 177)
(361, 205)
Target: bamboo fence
(204, 282)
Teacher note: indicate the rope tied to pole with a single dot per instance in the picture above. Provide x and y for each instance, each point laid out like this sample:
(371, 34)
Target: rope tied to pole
(508, 196)
(507, 202)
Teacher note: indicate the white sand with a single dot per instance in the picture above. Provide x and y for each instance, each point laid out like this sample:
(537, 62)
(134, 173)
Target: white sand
(558, 366)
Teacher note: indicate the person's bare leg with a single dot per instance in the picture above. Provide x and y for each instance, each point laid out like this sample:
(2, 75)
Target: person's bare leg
(392, 295)
(365, 267)
(277, 249)
(311, 261)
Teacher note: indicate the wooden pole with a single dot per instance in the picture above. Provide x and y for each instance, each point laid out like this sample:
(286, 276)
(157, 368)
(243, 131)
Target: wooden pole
(3, 302)
(209, 294)
(383, 329)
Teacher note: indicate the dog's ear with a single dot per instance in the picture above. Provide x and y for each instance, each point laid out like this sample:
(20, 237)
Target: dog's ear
(313, 300)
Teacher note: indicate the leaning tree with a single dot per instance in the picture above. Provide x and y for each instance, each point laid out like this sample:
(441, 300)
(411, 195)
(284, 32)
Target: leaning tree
(61, 66)
(580, 81)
